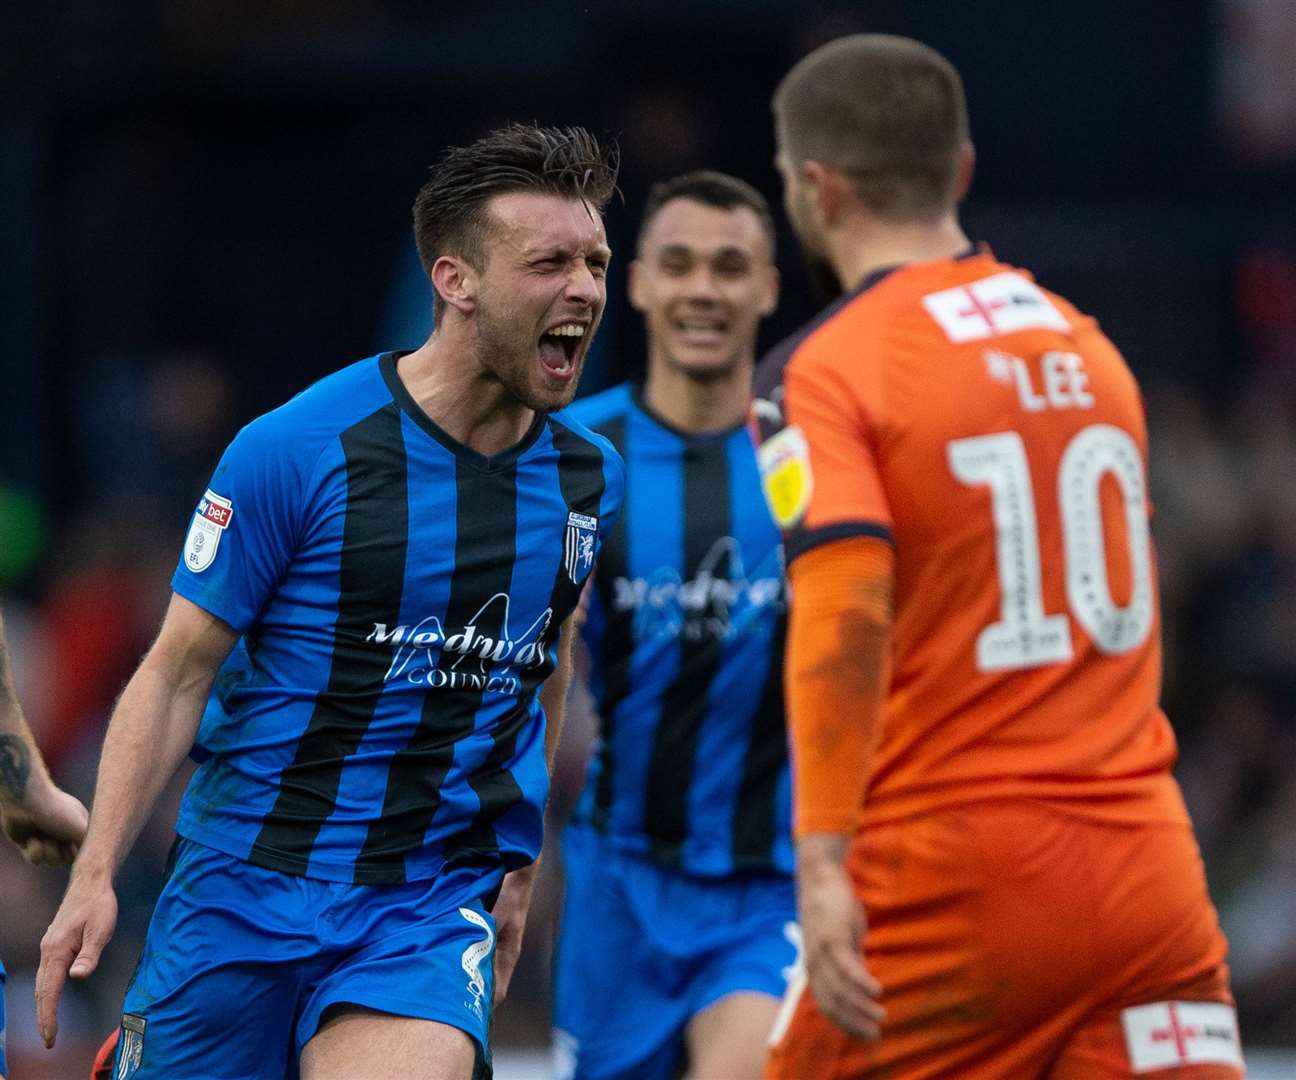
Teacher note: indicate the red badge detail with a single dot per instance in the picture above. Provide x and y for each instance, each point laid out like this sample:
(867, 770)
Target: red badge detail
(217, 514)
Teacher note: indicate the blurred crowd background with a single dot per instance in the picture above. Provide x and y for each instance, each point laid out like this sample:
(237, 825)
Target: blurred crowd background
(204, 206)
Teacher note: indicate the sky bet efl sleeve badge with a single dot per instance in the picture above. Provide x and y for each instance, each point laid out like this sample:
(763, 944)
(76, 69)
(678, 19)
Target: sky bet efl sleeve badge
(211, 519)
(578, 545)
(784, 461)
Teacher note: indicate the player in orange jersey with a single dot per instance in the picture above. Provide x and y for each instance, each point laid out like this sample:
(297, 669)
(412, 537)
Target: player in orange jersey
(997, 876)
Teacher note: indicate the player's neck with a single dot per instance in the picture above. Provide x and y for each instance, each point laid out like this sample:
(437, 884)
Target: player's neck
(698, 406)
(864, 245)
(472, 409)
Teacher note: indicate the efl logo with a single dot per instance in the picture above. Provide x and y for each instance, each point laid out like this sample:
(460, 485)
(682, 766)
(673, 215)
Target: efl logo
(211, 519)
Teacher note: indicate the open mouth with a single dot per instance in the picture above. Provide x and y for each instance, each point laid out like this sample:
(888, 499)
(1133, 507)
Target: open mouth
(559, 347)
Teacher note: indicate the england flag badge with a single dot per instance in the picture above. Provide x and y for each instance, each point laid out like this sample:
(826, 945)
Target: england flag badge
(578, 545)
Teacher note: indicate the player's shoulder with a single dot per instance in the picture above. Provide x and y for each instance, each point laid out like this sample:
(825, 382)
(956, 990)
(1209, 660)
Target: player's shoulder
(327, 407)
(583, 438)
(590, 451)
(892, 307)
(830, 350)
(919, 306)
(595, 411)
(771, 368)
(292, 438)
(981, 297)
(339, 399)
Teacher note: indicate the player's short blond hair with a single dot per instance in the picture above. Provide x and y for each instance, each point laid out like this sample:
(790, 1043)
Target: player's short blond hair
(888, 112)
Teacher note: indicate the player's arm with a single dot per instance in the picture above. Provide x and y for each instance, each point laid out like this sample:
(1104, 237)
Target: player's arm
(152, 729)
(514, 900)
(841, 569)
(43, 820)
(836, 671)
(553, 694)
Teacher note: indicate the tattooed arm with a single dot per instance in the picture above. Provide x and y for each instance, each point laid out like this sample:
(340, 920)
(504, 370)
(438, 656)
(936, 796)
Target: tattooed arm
(44, 821)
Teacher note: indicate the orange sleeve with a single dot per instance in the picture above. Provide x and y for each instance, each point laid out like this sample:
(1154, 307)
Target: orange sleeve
(827, 423)
(836, 673)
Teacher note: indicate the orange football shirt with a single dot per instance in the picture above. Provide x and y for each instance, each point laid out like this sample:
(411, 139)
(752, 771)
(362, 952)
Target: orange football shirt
(995, 435)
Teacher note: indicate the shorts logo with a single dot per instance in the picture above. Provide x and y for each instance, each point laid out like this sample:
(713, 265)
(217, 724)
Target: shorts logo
(999, 304)
(1172, 1033)
(784, 461)
(566, 1054)
(211, 519)
(130, 1046)
(796, 979)
(471, 962)
(578, 545)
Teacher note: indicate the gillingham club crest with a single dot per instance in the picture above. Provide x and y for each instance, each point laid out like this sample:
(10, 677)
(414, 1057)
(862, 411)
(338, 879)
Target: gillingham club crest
(130, 1047)
(578, 545)
(211, 519)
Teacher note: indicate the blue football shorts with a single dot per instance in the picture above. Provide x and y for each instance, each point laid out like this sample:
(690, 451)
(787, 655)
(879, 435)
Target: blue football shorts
(642, 949)
(241, 962)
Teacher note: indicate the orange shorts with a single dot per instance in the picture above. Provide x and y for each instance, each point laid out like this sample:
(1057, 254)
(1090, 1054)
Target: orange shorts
(1017, 940)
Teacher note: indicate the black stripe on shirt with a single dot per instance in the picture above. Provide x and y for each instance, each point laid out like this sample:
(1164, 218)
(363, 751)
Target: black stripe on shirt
(755, 815)
(685, 702)
(617, 645)
(485, 548)
(580, 478)
(371, 576)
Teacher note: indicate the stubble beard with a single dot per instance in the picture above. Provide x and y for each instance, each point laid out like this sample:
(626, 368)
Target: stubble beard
(824, 282)
(509, 357)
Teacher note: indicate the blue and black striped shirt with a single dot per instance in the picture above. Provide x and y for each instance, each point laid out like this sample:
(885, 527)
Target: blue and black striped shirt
(685, 632)
(399, 598)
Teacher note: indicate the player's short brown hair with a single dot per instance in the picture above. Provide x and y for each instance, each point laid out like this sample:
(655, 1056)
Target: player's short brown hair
(888, 112)
(450, 212)
(711, 188)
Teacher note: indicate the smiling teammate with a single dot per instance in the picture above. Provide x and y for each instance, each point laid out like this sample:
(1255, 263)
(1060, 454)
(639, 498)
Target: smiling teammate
(679, 906)
(371, 593)
(988, 832)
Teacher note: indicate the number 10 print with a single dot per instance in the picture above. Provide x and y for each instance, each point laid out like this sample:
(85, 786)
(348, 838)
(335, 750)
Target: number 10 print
(1025, 636)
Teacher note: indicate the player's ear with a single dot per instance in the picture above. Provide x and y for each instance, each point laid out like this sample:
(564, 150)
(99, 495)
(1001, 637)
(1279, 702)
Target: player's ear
(770, 296)
(636, 286)
(456, 282)
(828, 191)
(966, 167)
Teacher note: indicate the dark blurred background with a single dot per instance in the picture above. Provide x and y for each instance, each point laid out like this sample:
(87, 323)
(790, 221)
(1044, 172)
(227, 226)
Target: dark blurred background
(204, 206)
